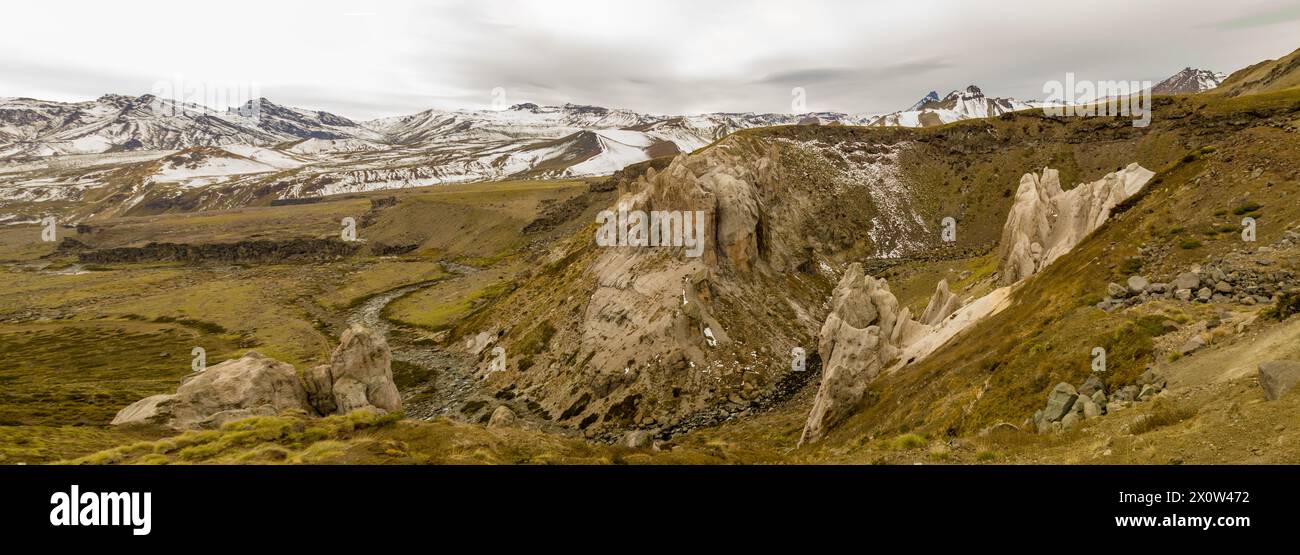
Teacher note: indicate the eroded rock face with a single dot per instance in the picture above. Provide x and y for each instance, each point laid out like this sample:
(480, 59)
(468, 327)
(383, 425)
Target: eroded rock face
(253, 385)
(865, 333)
(942, 304)
(1045, 222)
(854, 346)
(362, 371)
(319, 385)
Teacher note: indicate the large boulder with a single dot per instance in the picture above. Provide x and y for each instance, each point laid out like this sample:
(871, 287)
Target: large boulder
(1060, 402)
(362, 371)
(1137, 284)
(359, 375)
(252, 385)
(1277, 377)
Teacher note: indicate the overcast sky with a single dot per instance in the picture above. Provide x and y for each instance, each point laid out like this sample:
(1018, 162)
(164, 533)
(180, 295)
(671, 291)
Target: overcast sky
(364, 58)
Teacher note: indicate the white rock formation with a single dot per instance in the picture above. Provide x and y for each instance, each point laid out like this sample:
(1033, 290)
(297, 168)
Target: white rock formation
(1046, 222)
(253, 385)
(866, 335)
(855, 344)
(362, 373)
(942, 304)
(359, 376)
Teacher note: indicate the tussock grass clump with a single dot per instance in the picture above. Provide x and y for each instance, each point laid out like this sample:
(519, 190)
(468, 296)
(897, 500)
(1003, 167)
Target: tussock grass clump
(1288, 304)
(907, 441)
(1163, 413)
(1246, 207)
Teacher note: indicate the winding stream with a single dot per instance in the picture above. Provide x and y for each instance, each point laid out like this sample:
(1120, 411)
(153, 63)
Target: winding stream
(452, 382)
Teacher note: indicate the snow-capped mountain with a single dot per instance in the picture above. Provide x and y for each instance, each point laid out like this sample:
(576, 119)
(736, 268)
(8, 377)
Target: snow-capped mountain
(1189, 81)
(932, 96)
(112, 123)
(957, 105)
(144, 154)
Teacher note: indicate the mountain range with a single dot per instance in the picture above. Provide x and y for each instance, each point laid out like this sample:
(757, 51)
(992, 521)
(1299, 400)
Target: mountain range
(57, 151)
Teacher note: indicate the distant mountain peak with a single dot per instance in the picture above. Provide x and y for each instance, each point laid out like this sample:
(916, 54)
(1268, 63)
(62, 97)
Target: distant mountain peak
(970, 92)
(932, 96)
(1189, 81)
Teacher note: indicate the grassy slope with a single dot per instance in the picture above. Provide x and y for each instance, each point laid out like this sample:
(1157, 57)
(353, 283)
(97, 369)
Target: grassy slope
(99, 342)
(1001, 370)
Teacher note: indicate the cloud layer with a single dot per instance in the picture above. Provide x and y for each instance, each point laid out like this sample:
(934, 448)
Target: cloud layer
(377, 58)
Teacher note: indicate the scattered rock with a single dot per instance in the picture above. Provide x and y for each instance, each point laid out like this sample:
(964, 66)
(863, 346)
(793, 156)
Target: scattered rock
(1150, 377)
(1060, 401)
(502, 417)
(361, 367)
(1187, 280)
(1277, 377)
(1138, 284)
(638, 439)
(1099, 397)
(319, 385)
(1192, 345)
(1092, 385)
(358, 376)
(1116, 290)
(1090, 409)
(1148, 391)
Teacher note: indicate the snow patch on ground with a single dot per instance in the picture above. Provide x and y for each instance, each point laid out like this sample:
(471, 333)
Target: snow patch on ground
(896, 227)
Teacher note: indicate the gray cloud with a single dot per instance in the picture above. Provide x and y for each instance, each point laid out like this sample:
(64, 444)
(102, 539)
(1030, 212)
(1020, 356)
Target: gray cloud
(669, 56)
(1273, 16)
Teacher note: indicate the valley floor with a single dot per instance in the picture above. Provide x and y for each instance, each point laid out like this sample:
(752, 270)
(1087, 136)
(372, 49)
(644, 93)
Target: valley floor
(80, 340)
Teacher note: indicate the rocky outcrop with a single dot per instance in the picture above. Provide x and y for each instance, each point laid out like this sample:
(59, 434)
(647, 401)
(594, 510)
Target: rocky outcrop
(253, 385)
(1045, 222)
(319, 385)
(359, 376)
(865, 333)
(289, 250)
(942, 304)
(854, 345)
(361, 372)
(1277, 377)
(1247, 276)
(1068, 406)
